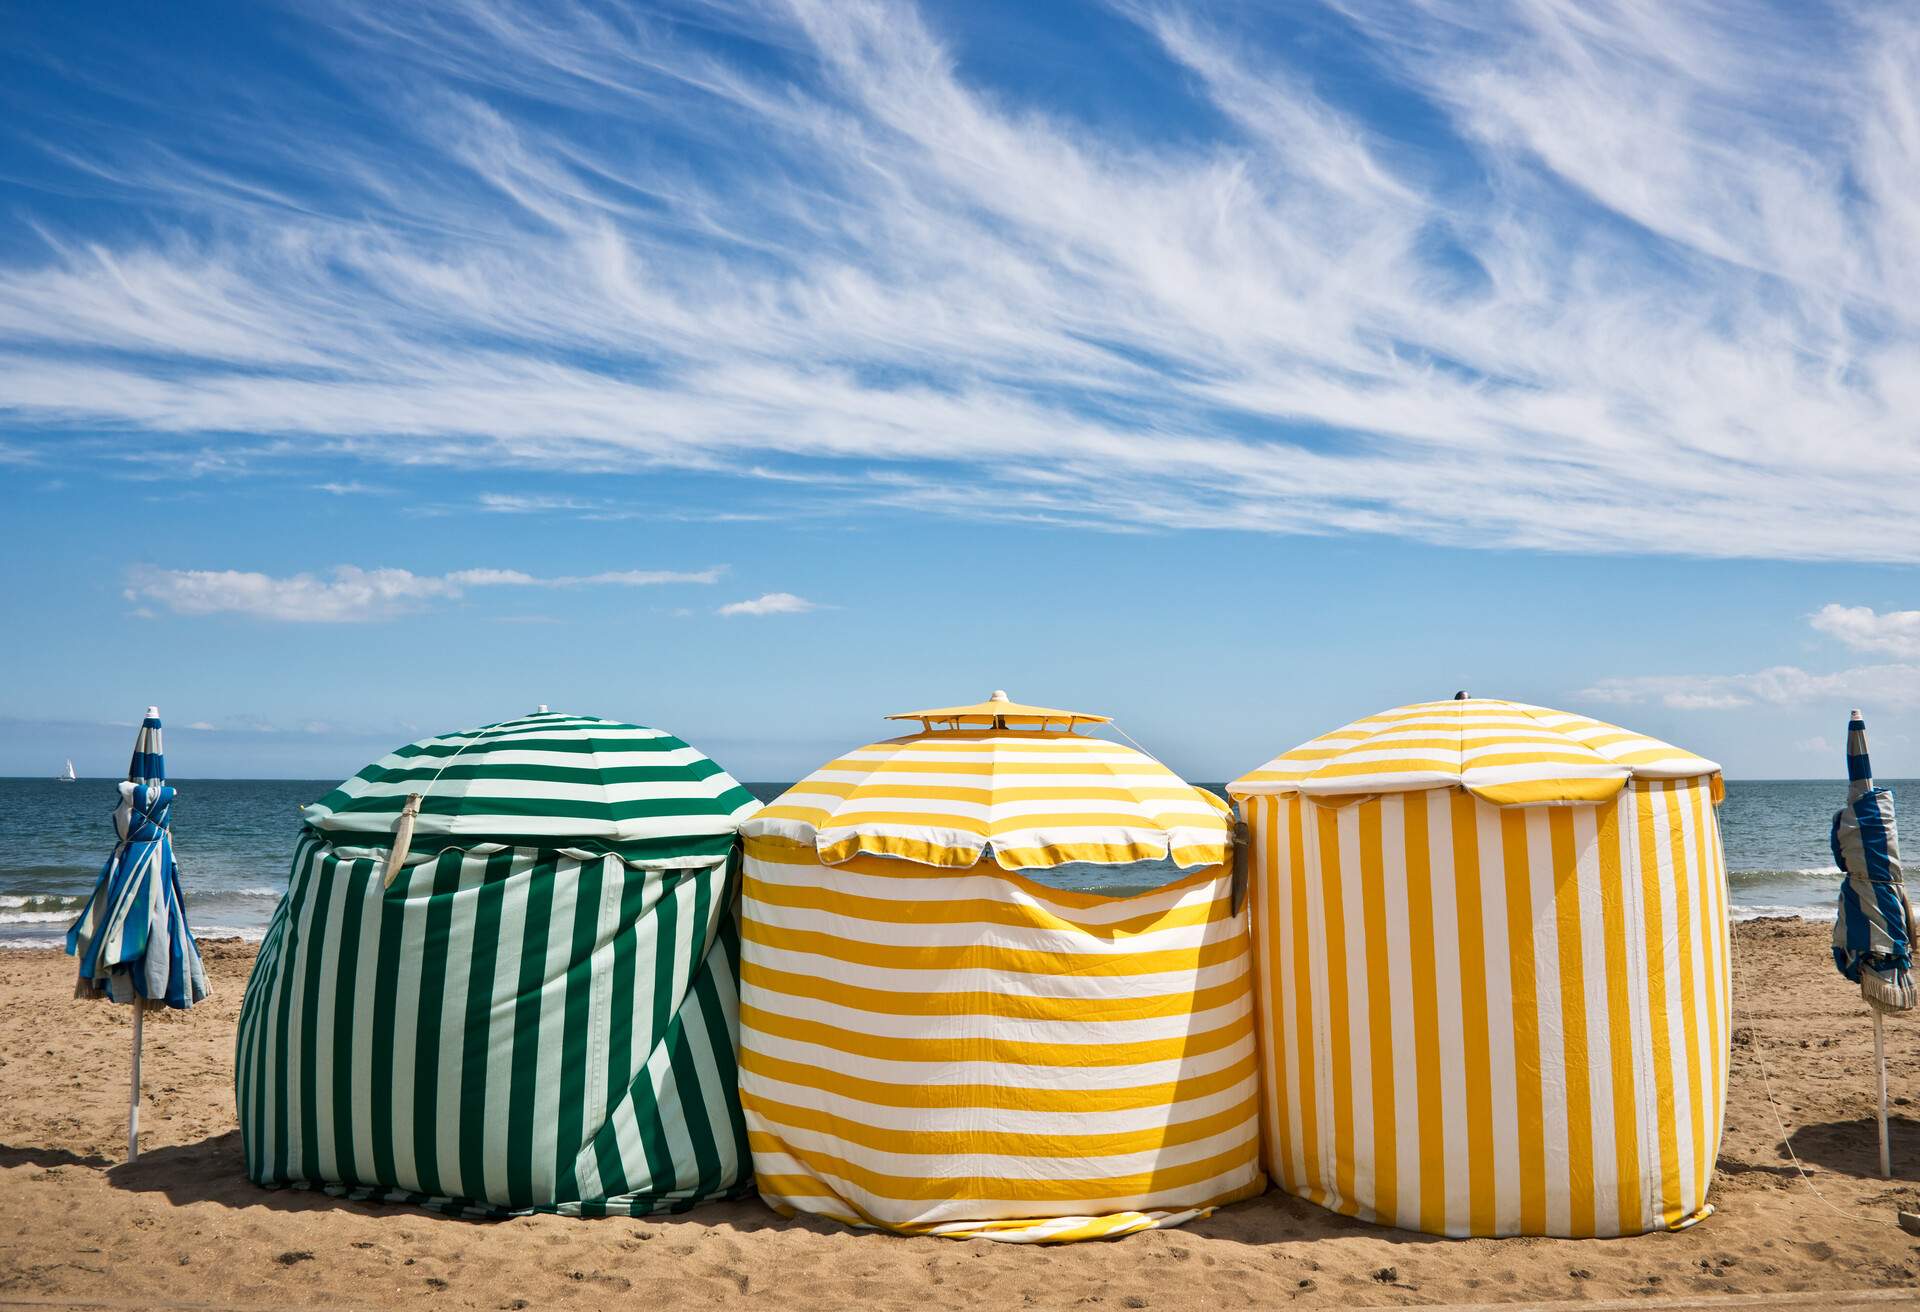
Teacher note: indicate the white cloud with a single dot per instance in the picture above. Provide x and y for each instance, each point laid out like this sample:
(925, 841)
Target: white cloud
(347, 489)
(1895, 632)
(769, 603)
(1892, 686)
(350, 594)
(1663, 300)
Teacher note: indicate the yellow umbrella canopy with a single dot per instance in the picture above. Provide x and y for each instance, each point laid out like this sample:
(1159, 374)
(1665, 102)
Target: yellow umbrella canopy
(1506, 753)
(1039, 797)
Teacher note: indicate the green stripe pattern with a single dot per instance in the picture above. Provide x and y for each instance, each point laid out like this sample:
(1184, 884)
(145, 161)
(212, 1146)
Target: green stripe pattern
(499, 1032)
(570, 783)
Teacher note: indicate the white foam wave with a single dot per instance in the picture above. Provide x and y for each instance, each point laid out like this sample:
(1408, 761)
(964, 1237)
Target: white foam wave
(35, 917)
(1758, 911)
(42, 901)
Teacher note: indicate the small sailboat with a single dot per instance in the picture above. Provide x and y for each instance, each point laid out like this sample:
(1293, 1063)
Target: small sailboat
(68, 776)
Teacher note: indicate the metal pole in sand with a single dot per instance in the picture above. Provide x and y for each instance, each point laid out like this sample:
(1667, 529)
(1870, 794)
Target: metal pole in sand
(133, 1099)
(1880, 1070)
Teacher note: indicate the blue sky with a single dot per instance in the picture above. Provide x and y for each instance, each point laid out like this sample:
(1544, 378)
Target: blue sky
(755, 370)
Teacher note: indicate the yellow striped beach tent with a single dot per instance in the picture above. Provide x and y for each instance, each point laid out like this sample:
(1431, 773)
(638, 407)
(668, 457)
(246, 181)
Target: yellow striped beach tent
(503, 979)
(1492, 971)
(934, 1042)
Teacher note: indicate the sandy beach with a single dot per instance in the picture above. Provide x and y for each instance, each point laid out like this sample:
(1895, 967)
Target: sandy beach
(183, 1226)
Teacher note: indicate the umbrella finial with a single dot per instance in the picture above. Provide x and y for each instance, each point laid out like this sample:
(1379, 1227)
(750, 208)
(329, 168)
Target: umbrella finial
(541, 709)
(999, 695)
(153, 712)
(1461, 695)
(1859, 768)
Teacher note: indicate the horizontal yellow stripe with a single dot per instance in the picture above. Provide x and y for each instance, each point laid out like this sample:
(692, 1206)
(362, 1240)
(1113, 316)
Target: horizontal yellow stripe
(779, 850)
(979, 1142)
(992, 1050)
(986, 956)
(777, 1190)
(1537, 791)
(992, 1097)
(903, 1188)
(968, 911)
(1005, 794)
(1009, 1006)
(986, 765)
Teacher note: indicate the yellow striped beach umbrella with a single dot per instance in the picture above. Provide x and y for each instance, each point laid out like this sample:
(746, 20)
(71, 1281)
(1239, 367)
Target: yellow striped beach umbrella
(932, 1042)
(1492, 981)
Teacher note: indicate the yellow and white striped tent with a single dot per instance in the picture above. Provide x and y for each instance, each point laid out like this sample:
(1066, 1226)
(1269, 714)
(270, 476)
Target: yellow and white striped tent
(933, 1043)
(1491, 971)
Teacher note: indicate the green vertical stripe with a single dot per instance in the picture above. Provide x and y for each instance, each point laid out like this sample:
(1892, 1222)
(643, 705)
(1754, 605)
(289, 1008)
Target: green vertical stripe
(690, 1079)
(310, 1023)
(346, 997)
(526, 1035)
(432, 965)
(723, 1025)
(386, 983)
(481, 988)
(653, 1136)
(302, 883)
(571, 1136)
(666, 944)
(620, 1069)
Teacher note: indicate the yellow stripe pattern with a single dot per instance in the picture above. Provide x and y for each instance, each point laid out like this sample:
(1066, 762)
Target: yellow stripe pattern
(1484, 1020)
(1038, 799)
(1507, 753)
(969, 1053)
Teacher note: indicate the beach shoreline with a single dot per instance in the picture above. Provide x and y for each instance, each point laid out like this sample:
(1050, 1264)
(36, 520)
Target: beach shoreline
(184, 1225)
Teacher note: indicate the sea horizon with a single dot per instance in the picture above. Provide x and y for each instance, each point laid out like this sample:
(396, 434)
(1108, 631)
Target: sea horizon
(235, 836)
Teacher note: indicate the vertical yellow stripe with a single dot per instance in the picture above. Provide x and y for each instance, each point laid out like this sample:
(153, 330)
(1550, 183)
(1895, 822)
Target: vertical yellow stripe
(1575, 1066)
(1426, 1019)
(1314, 1185)
(1658, 1003)
(1373, 920)
(1340, 1045)
(1685, 933)
(1274, 1061)
(1712, 926)
(1529, 1096)
(1626, 1131)
(1476, 1050)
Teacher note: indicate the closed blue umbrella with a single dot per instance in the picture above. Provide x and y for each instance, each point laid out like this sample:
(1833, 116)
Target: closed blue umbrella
(132, 937)
(1873, 932)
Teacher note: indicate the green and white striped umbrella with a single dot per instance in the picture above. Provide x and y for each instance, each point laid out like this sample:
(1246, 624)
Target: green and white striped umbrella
(565, 782)
(535, 1008)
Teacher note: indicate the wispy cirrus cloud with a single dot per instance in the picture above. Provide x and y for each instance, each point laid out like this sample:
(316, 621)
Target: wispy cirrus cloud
(1646, 287)
(349, 594)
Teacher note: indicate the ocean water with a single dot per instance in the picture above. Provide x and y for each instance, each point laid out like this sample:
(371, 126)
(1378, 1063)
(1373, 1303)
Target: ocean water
(234, 839)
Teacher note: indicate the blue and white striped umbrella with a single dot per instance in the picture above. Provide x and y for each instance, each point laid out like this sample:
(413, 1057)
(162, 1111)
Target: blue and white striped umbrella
(1873, 934)
(132, 938)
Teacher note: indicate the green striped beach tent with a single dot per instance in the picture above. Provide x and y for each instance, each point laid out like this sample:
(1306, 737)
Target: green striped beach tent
(503, 977)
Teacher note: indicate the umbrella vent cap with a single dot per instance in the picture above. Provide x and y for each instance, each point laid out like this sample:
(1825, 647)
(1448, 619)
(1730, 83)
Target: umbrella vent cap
(153, 712)
(999, 695)
(541, 709)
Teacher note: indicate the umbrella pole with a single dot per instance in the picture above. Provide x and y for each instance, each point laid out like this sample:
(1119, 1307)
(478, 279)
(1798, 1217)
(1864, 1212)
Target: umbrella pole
(1880, 1071)
(140, 1011)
